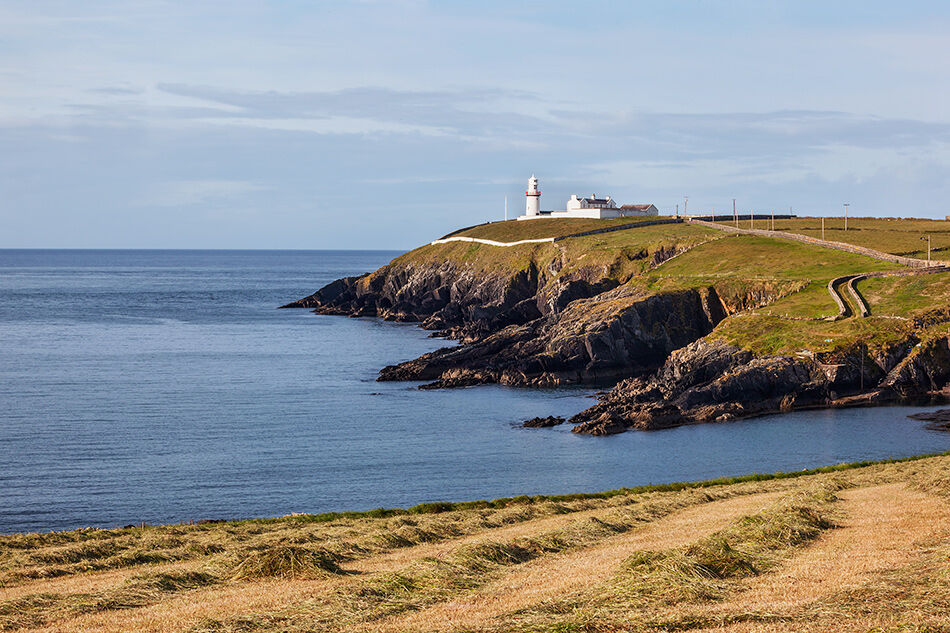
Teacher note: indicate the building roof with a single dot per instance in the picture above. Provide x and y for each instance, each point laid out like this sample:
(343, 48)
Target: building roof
(597, 200)
(636, 207)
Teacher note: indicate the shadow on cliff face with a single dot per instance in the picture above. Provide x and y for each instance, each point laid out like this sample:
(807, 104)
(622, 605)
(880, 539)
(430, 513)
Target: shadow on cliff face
(530, 322)
(590, 340)
(532, 327)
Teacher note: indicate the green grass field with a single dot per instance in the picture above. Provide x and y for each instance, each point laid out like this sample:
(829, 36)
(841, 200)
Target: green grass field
(906, 297)
(620, 253)
(514, 230)
(778, 287)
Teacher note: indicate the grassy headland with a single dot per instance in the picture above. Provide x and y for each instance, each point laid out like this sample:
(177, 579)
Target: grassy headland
(514, 230)
(799, 273)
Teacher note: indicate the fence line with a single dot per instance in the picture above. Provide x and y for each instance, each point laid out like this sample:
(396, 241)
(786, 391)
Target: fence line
(841, 246)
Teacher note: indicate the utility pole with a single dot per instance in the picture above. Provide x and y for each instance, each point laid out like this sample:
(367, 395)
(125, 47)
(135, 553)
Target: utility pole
(928, 249)
(846, 205)
(752, 219)
(677, 210)
(773, 218)
(822, 228)
(685, 200)
(506, 208)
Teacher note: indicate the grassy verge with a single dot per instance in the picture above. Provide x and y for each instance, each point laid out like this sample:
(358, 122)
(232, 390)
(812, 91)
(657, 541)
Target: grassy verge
(514, 230)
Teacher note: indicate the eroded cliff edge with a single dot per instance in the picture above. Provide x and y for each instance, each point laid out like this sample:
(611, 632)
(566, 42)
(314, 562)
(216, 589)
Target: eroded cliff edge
(711, 380)
(570, 313)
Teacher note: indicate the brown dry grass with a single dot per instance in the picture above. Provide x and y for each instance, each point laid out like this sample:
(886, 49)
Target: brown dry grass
(548, 578)
(544, 566)
(882, 528)
(900, 236)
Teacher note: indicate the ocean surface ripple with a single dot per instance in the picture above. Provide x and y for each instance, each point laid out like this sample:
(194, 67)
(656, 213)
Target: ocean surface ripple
(164, 386)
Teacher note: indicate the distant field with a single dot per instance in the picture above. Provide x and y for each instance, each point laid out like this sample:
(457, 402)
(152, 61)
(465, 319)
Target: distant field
(751, 256)
(891, 235)
(893, 302)
(794, 552)
(514, 230)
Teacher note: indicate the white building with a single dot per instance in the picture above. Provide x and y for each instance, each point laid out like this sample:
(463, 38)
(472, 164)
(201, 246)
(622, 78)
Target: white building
(532, 199)
(592, 207)
(576, 204)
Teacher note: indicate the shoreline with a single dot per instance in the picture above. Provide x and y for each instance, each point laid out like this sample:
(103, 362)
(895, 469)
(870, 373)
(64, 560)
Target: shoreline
(438, 507)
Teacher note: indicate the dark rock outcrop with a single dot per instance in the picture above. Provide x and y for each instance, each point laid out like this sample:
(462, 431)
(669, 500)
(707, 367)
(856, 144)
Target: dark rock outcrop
(542, 423)
(460, 302)
(939, 420)
(943, 415)
(592, 340)
(712, 381)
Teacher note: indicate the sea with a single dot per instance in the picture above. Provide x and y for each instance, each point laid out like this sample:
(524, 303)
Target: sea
(165, 386)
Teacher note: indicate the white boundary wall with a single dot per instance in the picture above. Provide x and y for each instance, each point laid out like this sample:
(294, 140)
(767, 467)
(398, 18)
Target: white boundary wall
(478, 240)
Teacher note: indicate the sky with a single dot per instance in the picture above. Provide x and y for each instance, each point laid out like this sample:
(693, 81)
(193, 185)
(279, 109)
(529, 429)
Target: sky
(385, 124)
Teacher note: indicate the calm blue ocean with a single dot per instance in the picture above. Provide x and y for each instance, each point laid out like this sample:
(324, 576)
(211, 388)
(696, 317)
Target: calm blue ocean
(164, 386)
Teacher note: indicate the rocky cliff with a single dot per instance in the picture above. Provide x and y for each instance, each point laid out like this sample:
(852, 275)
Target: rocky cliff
(713, 381)
(468, 298)
(537, 325)
(465, 302)
(593, 339)
(535, 320)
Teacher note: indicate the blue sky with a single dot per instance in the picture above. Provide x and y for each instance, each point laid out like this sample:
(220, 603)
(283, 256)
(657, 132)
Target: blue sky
(372, 124)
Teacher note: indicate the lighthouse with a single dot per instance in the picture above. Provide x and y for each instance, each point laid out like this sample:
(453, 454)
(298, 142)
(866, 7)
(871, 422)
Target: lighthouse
(532, 198)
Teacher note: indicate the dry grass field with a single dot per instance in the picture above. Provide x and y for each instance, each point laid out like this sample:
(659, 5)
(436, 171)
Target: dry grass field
(898, 236)
(858, 548)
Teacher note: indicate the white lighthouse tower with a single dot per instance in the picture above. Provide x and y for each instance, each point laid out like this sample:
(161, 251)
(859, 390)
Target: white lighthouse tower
(532, 198)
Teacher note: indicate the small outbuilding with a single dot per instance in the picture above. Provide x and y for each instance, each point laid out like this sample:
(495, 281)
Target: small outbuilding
(628, 210)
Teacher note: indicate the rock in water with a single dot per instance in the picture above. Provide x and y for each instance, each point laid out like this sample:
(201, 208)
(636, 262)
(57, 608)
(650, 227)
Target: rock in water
(943, 415)
(939, 420)
(541, 423)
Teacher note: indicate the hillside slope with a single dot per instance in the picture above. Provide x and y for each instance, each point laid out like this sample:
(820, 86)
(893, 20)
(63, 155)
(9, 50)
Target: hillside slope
(697, 324)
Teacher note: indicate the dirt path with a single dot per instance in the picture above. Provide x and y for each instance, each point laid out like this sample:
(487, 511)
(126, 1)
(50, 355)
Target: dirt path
(554, 576)
(882, 529)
